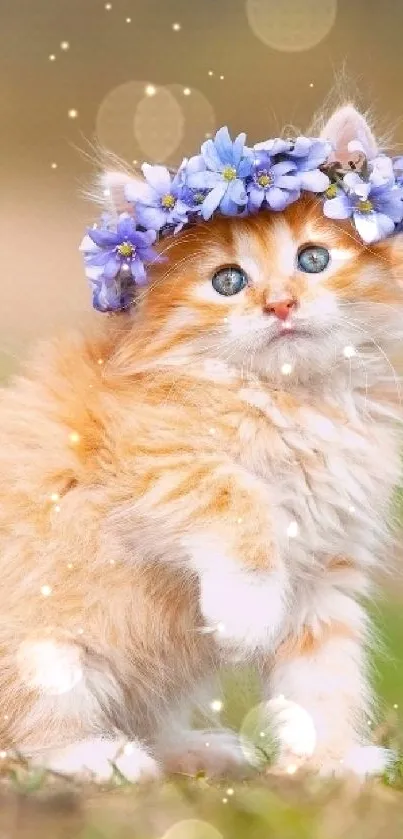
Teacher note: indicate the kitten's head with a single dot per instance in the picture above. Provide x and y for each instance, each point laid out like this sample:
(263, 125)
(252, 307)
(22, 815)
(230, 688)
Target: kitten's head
(280, 291)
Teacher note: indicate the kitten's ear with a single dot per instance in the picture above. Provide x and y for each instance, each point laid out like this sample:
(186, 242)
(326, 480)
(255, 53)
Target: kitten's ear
(345, 126)
(117, 188)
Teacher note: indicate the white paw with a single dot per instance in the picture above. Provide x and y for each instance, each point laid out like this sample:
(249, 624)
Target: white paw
(362, 761)
(293, 727)
(213, 751)
(95, 760)
(244, 607)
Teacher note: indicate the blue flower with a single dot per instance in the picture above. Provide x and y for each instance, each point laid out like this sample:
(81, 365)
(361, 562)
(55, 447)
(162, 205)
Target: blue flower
(158, 204)
(114, 260)
(221, 169)
(375, 205)
(275, 184)
(307, 154)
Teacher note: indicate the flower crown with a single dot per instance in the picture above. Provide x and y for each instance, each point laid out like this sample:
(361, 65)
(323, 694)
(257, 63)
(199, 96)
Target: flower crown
(230, 179)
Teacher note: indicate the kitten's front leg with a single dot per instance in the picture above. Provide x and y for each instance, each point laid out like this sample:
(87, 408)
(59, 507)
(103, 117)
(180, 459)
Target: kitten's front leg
(243, 582)
(322, 668)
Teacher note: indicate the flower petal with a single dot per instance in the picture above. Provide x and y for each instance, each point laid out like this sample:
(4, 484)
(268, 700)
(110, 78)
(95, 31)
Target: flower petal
(151, 217)
(277, 198)
(314, 181)
(283, 167)
(224, 146)
(339, 207)
(212, 200)
(204, 180)
(256, 196)
(138, 270)
(100, 258)
(158, 177)
(112, 267)
(373, 226)
(288, 182)
(238, 148)
(245, 167)
(211, 156)
(236, 192)
(104, 238)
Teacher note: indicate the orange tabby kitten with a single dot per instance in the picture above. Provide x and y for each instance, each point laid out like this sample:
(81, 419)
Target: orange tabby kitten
(206, 479)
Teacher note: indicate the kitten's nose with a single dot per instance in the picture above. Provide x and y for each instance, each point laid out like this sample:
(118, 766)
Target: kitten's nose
(281, 309)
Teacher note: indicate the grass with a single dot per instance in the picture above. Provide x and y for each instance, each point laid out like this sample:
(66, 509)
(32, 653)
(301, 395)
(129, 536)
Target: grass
(37, 805)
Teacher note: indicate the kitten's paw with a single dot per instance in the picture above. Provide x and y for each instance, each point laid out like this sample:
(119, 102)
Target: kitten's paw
(362, 761)
(216, 752)
(95, 760)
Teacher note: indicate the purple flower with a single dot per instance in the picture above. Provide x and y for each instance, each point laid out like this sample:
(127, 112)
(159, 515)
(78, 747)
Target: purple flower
(114, 261)
(124, 248)
(276, 184)
(375, 205)
(158, 204)
(307, 154)
(221, 169)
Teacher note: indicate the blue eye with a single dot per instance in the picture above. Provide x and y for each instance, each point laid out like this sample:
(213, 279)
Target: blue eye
(229, 280)
(313, 259)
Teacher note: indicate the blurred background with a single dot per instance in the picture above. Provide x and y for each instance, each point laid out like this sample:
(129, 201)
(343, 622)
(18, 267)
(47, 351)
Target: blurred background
(150, 80)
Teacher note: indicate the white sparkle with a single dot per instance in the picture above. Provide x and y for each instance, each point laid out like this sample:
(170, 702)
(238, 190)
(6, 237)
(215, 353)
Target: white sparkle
(46, 591)
(107, 193)
(349, 351)
(70, 565)
(291, 769)
(74, 437)
(186, 91)
(351, 509)
(212, 431)
(207, 745)
(72, 113)
(55, 497)
(229, 791)
(239, 521)
(221, 627)
(395, 706)
(150, 90)
(128, 749)
(311, 84)
(64, 46)
(176, 27)
(216, 705)
(108, 6)
(80, 631)
(225, 320)
(225, 801)
(286, 369)
(3, 755)
(128, 20)
(100, 361)
(211, 73)
(57, 508)
(292, 529)
(221, 77)
(52, 57)
(262, 734)
(135, 162)
(53, 165)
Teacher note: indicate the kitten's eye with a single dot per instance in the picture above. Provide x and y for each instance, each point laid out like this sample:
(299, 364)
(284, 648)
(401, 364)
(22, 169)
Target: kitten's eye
(313, 259)
(229, 280)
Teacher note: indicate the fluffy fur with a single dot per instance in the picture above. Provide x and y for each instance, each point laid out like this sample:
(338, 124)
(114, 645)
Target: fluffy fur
(189, 486)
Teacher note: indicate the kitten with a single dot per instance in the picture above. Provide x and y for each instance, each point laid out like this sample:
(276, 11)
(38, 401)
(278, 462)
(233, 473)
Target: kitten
(204, 480)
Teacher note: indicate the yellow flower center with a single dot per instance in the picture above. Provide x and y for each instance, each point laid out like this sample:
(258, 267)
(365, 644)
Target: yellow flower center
(264, 179)
(365, 206)
(168, 201)
(229, 173)
(125, 249)
(198, 198)
(331, 191)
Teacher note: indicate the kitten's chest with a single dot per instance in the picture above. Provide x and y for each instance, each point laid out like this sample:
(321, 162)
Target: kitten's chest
(330, 471)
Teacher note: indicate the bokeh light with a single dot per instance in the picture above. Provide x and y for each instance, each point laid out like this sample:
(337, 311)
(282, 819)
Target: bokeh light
(192, 829)
(292, 25)
(160, 124)
(49, 667)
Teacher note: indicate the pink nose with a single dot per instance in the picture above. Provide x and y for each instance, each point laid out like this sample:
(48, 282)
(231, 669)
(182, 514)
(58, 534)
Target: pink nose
(281, 309)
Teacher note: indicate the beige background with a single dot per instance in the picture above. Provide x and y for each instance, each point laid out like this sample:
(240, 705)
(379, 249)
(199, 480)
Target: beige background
(278, 59)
